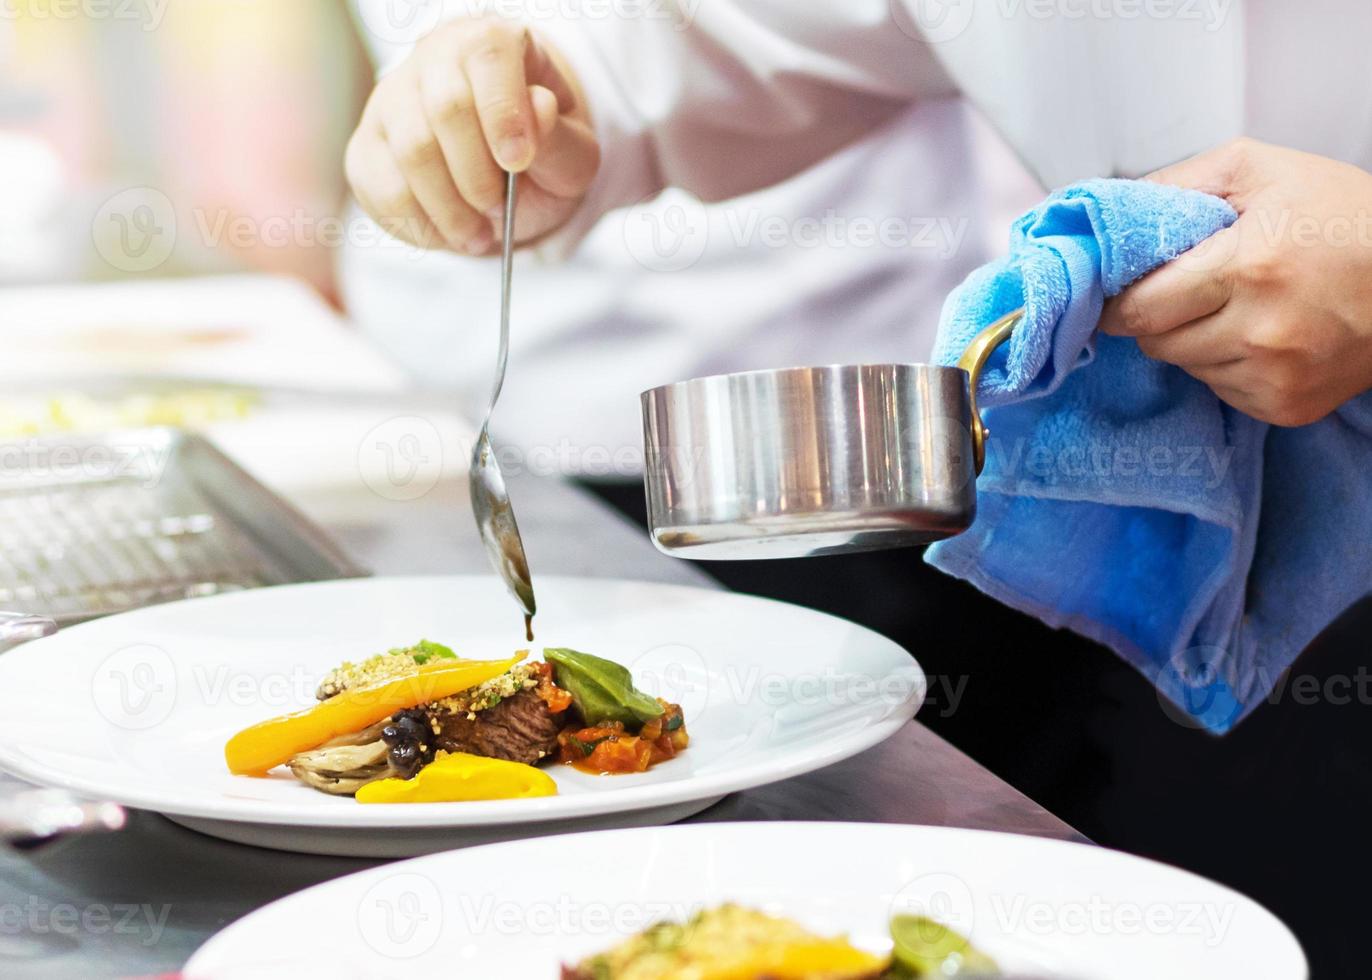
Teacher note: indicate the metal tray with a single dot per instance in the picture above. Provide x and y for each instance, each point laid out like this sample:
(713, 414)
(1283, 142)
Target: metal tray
(96, 525)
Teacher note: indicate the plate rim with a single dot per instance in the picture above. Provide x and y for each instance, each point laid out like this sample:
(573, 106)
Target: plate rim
(479, 813)
(763, 828)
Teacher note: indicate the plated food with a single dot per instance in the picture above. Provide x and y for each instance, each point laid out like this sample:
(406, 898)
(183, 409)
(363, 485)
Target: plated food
(419, 724)
(733, 942)
(160, 691)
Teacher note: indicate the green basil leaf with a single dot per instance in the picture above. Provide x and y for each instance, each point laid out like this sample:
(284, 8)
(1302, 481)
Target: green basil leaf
(601, 689)
(927, 948)
(426, 650)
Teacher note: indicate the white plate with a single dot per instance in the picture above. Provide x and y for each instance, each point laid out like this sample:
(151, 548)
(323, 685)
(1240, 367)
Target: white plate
(516, 911)
(136, 708)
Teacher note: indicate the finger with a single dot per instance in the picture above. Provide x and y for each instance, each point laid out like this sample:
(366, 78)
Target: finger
(383, 192)
(1233, 375)
(1237, 385)
(1259, 405)
(1195, 284)
(569, 154)
(1204, 343)
(450, 109)
(1235, 397)
(495, 66)
(419, 155)
(534, 198)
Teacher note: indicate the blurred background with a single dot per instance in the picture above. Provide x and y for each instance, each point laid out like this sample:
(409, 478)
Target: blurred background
(172, 188)
(231, 109)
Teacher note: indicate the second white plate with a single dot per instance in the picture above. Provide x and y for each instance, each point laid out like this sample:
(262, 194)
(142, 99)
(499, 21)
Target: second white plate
(136, 708)
(519, 911)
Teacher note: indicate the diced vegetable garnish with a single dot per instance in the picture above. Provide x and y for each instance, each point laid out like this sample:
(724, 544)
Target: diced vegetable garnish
(557, 699)
(609, 747)
(256, 750)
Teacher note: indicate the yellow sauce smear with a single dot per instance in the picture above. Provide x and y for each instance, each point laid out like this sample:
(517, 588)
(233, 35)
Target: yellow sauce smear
(456, 777)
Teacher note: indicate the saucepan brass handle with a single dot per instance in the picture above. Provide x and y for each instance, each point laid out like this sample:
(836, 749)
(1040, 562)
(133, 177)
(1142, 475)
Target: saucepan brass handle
(972, 361)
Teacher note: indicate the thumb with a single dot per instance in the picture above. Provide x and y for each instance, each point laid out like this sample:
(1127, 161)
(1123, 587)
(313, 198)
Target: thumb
(545, 111)
(542, 68)
(568, 155)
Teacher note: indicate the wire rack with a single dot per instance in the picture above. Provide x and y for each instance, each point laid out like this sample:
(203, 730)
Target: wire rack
(176, 521)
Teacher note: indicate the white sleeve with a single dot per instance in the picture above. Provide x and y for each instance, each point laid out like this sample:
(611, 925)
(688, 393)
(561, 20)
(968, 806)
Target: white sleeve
(724, 97)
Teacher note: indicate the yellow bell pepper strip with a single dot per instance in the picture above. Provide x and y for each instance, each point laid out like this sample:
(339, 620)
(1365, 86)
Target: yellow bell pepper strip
(455, 777)
(256, 750)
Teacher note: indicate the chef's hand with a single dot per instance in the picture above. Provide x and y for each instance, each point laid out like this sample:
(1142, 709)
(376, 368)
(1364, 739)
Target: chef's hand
(477, 97)
(1275, 312)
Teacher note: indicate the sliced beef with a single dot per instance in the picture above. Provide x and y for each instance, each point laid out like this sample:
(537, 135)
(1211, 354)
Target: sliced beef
(518, 729)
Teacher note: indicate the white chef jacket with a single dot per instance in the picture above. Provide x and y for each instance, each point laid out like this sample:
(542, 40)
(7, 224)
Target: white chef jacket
(722, 98)
(749, 90)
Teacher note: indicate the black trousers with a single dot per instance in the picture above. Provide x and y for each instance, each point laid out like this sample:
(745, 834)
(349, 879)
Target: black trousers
(1280, 809)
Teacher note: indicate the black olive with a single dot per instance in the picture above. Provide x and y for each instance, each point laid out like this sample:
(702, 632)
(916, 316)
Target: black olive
(391, 735)
(407, 736)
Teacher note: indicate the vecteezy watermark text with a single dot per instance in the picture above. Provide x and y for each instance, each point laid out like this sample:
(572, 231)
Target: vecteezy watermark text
(669, 235)
(35, 459)
(937, 21)
(148, 13)
(1207, 465)
(410, 21)
(36, 917)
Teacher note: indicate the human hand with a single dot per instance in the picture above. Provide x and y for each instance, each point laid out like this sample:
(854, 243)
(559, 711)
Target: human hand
(1275, 312)
(476, 98)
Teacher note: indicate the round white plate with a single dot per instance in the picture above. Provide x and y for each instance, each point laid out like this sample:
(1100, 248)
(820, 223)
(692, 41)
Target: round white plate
(136, 708)
(518, 910)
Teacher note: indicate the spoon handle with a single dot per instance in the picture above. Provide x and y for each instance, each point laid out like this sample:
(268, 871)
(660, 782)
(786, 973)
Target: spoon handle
(506, 277)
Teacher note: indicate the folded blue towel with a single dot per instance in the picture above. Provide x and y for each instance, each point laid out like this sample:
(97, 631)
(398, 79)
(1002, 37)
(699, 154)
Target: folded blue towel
(1121, 499)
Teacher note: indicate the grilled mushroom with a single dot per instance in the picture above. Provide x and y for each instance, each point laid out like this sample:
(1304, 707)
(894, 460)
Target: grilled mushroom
(345, 764)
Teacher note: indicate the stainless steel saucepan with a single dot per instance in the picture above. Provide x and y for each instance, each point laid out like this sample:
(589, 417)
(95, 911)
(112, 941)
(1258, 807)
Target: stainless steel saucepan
(816, 460)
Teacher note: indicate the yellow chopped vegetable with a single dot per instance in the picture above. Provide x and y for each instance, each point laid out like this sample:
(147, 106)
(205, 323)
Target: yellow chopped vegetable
(732, 943)
(456, 777)
(256, 750)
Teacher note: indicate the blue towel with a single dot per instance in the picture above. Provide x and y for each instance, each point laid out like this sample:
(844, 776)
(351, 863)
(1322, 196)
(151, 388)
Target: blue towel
(1122, 499)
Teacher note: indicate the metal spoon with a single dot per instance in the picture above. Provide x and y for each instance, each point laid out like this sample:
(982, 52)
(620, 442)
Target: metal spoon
(495, 518)
(17, 628)
(30, 818)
